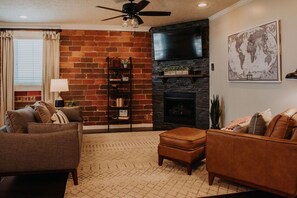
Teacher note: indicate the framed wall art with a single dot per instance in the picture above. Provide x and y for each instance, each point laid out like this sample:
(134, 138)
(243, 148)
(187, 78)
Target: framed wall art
(254, 54)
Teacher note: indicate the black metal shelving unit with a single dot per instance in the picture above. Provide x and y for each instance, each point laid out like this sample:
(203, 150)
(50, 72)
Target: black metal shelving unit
(119, 88)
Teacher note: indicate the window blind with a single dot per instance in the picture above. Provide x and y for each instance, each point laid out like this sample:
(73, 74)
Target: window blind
(28, 61)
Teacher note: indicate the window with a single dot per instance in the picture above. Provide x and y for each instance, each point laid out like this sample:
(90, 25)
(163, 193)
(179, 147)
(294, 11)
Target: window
(28, 63)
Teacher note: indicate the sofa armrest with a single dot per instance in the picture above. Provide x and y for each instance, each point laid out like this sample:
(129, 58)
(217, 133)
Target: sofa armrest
(265, 161)
(39, 152)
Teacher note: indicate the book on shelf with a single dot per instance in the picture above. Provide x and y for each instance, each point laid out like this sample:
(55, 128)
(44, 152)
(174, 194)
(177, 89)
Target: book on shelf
(123, 117)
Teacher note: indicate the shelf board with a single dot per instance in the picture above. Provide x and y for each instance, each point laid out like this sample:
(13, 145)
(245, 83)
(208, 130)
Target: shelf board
(120, 68)
(115, 121)
(118, 108)
(119, 82)
(192, 77)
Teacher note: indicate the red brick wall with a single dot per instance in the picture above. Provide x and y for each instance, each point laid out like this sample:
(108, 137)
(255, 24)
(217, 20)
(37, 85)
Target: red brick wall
(23, 98)
(83, 62)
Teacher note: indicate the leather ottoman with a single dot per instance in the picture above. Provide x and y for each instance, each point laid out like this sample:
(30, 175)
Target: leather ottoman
(182, 144)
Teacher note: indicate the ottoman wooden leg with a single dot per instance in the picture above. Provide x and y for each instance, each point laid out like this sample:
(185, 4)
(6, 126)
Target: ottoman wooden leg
(161, 158)
(210, 178)
(189, 169)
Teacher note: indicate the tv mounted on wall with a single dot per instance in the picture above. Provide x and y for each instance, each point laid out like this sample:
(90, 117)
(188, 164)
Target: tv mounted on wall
(177, 44)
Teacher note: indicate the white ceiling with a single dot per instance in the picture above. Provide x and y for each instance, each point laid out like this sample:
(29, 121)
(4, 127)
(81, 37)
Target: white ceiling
(73, 13)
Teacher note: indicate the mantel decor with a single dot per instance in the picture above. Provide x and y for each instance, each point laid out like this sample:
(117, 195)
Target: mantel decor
(254, 54)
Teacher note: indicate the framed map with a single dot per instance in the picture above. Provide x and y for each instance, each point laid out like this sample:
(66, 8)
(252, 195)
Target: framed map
(254, 55)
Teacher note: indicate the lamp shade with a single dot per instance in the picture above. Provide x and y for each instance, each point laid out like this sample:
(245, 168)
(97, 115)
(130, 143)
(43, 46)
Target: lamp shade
(59, 85)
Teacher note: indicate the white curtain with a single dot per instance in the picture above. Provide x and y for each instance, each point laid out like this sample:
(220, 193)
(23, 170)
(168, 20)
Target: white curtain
(51, 59)
(7, 73)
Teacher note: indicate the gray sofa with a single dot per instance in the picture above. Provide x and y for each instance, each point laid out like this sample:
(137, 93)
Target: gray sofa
(35, 147)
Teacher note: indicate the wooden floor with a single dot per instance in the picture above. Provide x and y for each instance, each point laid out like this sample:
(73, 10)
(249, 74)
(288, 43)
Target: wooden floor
(34, 186)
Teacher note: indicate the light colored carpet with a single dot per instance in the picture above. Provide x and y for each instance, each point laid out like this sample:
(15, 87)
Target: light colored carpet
(126, 165)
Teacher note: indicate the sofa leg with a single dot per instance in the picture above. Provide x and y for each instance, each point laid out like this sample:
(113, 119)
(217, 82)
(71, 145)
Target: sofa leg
(210, 178)
(189, 169)
(74, 177)
(160, 160)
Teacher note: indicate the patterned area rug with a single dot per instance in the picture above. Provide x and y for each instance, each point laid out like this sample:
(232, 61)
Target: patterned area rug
(126, 165)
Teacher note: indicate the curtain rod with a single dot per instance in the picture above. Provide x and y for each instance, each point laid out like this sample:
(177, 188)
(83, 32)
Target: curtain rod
(31, 29)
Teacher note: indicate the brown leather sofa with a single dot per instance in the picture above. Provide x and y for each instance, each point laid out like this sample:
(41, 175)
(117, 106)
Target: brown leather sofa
(34, 147)
(266, 162)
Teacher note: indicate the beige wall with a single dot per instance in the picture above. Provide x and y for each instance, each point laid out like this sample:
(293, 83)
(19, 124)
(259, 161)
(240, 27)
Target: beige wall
(247, 98)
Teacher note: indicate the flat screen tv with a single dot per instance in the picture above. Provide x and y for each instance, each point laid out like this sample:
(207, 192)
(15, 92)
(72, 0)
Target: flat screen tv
(178, 44)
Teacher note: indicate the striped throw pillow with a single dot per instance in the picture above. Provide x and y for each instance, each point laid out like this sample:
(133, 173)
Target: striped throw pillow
(59, 118)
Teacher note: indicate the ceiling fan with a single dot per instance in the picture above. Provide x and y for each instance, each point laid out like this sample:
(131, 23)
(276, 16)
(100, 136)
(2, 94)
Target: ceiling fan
(132, 11)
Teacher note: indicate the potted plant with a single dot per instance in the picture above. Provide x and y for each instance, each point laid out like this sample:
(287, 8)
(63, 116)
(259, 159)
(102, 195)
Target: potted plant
(125, 63)
(71, 103)
(215, 112)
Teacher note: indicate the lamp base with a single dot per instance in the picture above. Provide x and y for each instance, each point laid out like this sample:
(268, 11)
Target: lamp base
(59, 103)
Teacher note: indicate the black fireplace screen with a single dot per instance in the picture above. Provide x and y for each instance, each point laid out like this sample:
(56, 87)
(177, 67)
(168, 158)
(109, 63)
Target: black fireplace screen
(180, 108)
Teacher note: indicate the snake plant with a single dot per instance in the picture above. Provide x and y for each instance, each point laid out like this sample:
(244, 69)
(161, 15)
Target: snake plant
(215, 112)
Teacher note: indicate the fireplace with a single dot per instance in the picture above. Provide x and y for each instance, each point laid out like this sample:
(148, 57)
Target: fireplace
(180, 108)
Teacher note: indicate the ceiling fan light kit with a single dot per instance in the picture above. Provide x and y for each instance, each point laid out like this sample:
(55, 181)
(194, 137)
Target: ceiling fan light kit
(131, 13)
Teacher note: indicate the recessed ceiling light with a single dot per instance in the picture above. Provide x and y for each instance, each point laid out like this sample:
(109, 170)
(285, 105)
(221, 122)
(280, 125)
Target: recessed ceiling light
(202, 5)
(23, 17)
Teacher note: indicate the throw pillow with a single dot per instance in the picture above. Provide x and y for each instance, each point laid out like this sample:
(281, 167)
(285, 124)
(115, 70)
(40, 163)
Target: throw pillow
(16, 120)
(50, 127)
(236, 122)
(48, 105)
(42, 114)
(259, 122)
(294, 135)
(242, 128)
(74, 114)
(280, 127)
(3, 129)
(59, 118)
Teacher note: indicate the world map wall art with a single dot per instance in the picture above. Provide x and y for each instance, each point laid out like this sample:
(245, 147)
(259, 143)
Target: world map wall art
(254, 55)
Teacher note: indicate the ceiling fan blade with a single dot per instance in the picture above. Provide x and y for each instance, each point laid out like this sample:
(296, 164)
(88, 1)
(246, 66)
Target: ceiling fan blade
(142, 4)
(154, 13)
(109, 8)
(140, 21)
(123, 15)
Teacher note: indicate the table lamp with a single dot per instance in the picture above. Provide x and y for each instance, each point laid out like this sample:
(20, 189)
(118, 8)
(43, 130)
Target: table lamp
(59, 85)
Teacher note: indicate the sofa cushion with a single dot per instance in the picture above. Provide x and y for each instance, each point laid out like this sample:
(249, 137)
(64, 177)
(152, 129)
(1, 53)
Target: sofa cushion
(50, 127)
(59, 118)
(42, 114)
(16, 120)
(280, 127)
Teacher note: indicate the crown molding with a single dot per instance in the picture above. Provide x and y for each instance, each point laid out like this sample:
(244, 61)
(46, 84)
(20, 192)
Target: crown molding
(229, 9)
(75, 27)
